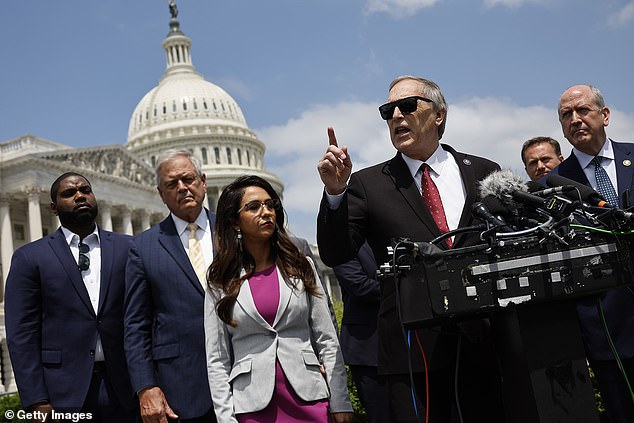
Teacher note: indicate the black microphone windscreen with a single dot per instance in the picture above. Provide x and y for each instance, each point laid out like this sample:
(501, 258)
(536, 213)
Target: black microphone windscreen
(534, 186)
(495, 206)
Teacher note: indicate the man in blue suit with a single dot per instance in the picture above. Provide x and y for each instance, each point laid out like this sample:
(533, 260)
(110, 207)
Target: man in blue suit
(359, 340)
(583, 117)
(164, 334)
(64, 313)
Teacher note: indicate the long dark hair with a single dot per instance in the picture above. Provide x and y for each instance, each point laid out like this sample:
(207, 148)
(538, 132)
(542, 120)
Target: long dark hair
(231, 258)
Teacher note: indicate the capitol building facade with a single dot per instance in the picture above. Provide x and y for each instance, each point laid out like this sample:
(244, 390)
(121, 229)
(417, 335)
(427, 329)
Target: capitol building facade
(183, 112)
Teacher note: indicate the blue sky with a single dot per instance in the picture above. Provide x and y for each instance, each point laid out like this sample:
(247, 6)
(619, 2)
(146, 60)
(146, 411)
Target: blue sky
(72, 71)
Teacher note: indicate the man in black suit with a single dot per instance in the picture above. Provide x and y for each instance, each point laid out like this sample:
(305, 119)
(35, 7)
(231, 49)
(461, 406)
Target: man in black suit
(583, 116)
(403, 198)
(361, 294)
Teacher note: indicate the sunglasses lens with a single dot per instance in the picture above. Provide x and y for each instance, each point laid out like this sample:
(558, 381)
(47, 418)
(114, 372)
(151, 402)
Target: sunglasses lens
(405, 105)
(408, 105)
(387, 111)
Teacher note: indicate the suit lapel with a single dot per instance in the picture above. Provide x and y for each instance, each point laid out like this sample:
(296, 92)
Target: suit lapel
(60, 248)
(471, 189)
(398, 171)
(171, 243)
(571, 169)
(245, 300)
(285, 297)
(624, 174)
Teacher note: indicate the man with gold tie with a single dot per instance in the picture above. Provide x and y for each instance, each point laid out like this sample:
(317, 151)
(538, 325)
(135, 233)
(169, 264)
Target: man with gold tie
(165, 290)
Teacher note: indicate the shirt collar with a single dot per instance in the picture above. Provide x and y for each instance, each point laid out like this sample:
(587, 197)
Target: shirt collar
(436, 161)
(584, 159)
(72, 239)
(201, 220)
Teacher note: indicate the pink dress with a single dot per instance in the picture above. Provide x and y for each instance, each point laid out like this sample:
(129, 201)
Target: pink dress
(285, 405)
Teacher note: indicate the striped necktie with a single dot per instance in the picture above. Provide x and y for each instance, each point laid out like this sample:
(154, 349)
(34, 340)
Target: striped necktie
(604, 185)
(195, 253)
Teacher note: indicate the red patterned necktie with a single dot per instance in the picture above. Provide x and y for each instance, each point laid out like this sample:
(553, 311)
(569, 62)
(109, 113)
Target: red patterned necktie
(431, 196)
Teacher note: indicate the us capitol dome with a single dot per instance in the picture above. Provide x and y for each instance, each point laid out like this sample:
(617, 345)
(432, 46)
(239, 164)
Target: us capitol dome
(187, 112)
(183, 112)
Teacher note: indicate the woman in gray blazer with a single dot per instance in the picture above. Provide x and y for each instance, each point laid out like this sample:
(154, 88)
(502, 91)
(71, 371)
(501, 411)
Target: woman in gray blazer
(272, 349)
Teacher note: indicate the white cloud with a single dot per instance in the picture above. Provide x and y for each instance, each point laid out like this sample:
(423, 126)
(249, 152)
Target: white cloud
(398, 8)
(489, 127)
(512, 3)
(622, 17)
(496, 128)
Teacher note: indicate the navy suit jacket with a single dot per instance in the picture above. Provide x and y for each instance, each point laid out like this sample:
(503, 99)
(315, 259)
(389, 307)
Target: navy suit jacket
(52, 327)
(164, 333)
(618, 303)
(382, 202)
(361, 294)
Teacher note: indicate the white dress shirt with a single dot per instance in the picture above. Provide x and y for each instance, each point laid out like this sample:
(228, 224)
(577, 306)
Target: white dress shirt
(92, 275)
(585, 161)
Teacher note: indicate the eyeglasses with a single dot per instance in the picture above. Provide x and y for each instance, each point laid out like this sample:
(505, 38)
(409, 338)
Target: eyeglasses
(84, 261)
(255, 206)
(406, 105)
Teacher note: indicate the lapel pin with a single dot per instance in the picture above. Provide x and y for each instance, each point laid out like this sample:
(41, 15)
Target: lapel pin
(467, 162)
(627, 163)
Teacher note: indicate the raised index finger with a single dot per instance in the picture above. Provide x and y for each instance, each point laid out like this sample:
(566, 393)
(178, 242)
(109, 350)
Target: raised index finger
(332, 140)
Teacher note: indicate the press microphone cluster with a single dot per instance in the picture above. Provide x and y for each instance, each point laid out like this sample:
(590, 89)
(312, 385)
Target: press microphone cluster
(509, 204)
(587, 197)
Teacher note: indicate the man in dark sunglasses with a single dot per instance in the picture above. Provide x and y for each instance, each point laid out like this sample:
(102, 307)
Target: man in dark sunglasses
(425, 190)
(64, 313)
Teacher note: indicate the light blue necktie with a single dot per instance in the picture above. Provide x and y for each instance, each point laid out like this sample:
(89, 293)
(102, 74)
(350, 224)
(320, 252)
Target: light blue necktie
(604, 185)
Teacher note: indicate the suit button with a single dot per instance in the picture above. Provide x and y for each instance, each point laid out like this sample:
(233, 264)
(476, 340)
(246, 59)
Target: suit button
(92, 353)
(99, 321)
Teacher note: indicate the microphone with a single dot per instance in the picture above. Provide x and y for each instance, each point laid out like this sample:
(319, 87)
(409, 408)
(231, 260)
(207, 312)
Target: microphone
(587, 193)
(481, 211)
(554, 190)
(501, 184)
(510, 189)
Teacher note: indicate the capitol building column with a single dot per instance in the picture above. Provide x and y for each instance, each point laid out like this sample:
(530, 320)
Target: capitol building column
(106, 216)
(126, 224)
(35, 215)
(6, 235)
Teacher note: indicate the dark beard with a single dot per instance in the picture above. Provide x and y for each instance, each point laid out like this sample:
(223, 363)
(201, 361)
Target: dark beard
(81, 217)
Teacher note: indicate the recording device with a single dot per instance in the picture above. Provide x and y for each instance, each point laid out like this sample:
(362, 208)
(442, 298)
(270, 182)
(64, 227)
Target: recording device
(581, 191)
(535, 253)
(506, 196)
(437, 285)
(590, 198)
